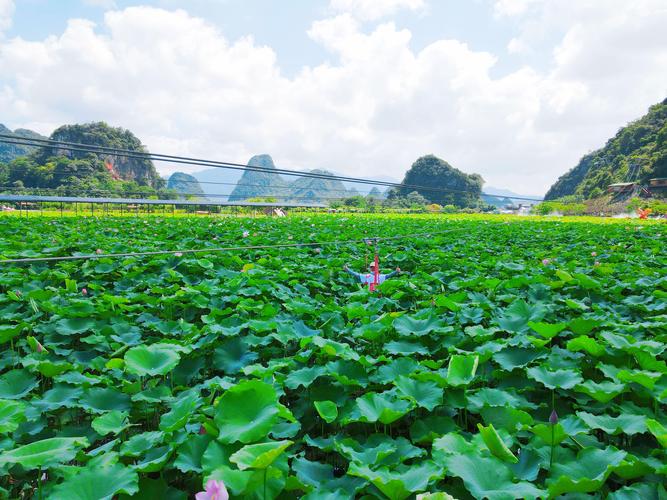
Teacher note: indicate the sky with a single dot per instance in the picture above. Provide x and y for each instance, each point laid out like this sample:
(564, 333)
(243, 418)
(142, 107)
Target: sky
(515, 90)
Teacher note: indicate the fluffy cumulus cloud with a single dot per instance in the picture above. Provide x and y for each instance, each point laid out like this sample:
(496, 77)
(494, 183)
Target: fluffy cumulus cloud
(6, 13)
(374, 9)
(377, 105)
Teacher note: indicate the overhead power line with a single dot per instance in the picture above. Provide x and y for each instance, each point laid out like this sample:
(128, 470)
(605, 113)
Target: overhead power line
(72, 146)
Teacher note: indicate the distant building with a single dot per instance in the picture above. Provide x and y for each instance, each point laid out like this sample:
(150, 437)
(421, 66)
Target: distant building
(658, 183)
(621, 187)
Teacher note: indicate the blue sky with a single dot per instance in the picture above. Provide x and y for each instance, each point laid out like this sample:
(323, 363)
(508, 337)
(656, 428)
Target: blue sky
(516, 90)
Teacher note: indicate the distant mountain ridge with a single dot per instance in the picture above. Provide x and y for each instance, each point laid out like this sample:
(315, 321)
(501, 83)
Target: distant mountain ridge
(9, 152)
(185, 184)
(637, 153)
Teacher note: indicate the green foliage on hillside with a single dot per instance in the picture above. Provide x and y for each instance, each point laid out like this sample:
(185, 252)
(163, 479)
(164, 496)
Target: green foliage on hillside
(185, 184)
(57, 171)
(638, 152)
(433, 172)
(140, 170)
(9, 152)
(255, 184)
(309, 189)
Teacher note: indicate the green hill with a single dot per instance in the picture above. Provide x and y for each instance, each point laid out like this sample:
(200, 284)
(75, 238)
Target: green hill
(185, 184)
(314, 190)
(637, 153)
(9, 152)
(456, 187)
(254, 184)
(140, 170)
(58, 171)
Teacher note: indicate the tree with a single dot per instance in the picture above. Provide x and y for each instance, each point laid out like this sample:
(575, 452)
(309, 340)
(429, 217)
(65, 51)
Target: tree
(451, 185)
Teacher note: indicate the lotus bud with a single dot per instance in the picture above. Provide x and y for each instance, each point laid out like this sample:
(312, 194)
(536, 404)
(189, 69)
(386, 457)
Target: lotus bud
(546, 262)
(202, 430)
(553, 418)
(594, 254)
(84, 291)
(597, 263)
(98, 251)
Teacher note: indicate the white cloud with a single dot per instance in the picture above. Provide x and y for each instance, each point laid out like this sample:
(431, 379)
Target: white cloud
(6, 14)
(371, 110)
(369, 10)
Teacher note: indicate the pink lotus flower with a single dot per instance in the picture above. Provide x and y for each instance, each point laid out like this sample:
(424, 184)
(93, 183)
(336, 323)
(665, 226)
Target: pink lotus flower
(594, 254)
(546, 262)
(246, 234)
(202, 430)
(84, 291)
(98, 251)
(597, 263)
(178, 254)
(215, 490)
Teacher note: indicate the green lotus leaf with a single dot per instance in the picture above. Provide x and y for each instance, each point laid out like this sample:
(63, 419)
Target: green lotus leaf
(140, 443)
(61, 395)
(643, 378)
(191, 453)
(506, 418)
(232, 355)
(461, 369)
(583, 326)
(547, 330)
(585, 473)
(382, 408)
(427, 429)
(12, 413)
(304, 376)
(111, 423)
(153, 460)
(180, 412)
(327, 410)
(45, 453)
(497, 397)
(16, 384)
(101, 400)
(516, 317)
(8, 332)
(658, 430)
(404, 348)
(425, 394)
(97, 483)
(151, 360)
(623, 424)
(74, 326)
(643, 491)
(602, 392)
(516, 357)
(550, 434)
(489, 478)
(440, 495)
(495, 444)
(401, 483)
(386, 374)
(588, 344)
(561, 379)
(259, 456)
(371, 453)
(409, 326)
(247, 412)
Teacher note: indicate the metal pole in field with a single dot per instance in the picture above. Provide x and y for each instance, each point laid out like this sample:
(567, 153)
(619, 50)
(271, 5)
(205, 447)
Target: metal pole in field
(61, 208)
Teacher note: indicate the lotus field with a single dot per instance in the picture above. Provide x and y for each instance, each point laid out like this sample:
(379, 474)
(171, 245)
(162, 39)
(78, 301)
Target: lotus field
(512, 358)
